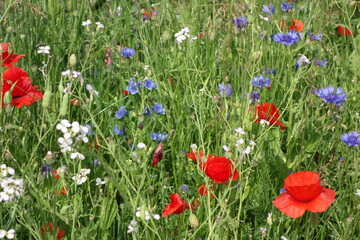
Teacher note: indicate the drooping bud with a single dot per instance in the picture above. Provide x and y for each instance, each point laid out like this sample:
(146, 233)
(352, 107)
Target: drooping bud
(194, 222)
(158, 155)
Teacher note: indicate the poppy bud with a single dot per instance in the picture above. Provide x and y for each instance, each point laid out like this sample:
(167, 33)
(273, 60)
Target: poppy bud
(46, 98)
(72, 60)
(64, 104)
(194, 222)
(7, 97)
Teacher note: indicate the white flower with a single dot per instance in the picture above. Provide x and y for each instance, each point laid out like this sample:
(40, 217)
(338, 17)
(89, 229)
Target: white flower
(63, 126)
(263, 122)
(240, 130)
(246, 150)
(283, 238)
(180, 38)
(156, 216)
(193, 147)
(77, 155)
(10, 234)
(141, 145)
(263, 229)
(76, 74)
(84, 171)
(357, 193)
(75, 127)
(2, 234)
(61, 169)
(252, 143)
(91, 89)
(132, 226)
(302, 60)
(226, 148)
(99, 25)
(66, 73)
(81, 177)
(269, 218)
(44, 49)
(264, 18)
(85, 23)
(99, 181)
(239, 142)
(4, 171)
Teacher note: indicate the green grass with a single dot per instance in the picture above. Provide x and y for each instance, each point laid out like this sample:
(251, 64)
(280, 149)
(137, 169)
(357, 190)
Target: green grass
(195, 114)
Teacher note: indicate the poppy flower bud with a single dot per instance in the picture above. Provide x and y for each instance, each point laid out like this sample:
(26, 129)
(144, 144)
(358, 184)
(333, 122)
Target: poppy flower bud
(46, 98)
(194, 222)
(64, 104)
(72, 60)
(7, 97)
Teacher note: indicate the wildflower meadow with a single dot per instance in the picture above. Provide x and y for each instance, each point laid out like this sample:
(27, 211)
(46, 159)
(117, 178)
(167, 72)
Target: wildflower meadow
(189, 119)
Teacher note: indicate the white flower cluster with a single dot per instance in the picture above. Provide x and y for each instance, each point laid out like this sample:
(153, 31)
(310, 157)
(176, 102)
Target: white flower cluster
(240, 142)
(86, 23)
(44, 49)
(183, 34)
(141, 213)
(9, 186)
(70, 73)
(74, 133)
(8, 234)
(81, 177)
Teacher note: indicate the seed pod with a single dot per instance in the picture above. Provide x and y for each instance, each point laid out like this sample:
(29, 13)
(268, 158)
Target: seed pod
(46, 98)
(73, 60)
(194, 222)
(64, 104)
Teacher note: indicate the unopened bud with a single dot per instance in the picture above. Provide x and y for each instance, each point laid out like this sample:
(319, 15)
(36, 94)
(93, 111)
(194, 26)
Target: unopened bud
(73, 60)
(64, 104)
(46, 98)
(8, 97)
(194, 222)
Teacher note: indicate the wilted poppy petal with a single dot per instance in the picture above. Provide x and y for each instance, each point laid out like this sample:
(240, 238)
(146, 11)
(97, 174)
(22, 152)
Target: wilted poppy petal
(289, 206)
(303, 186)
(321, 202)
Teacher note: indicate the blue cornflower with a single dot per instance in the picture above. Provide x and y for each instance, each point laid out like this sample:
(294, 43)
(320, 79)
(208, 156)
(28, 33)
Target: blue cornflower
(332, 95)
(90, 131)
(133, 87)
(286, 6)
(127, 52)
(318, 62)
(158, 108)
(352, 139)
(314, 37)
(254, 96)
(225, 89)
(287, 39)
(45, 170)
(96, 163)
(268, 71)
(147, 111)
(261, 82)
(240, 22)
(158, 136)
(121, 113)
(119, 131)
(269, 9)
(149, 84)
(183, 189)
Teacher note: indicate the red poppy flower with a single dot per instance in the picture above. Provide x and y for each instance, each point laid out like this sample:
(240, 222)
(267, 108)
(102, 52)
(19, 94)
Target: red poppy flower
(268, 112)
(158, 155)
(303, 192)
(23, 93)
(202, 190)
(177, 205)
(56, 175)
(8, 58)
(219, 169)
(344, 31)
(195, 156)
(48, 228)
(126, 92)
(297, 25)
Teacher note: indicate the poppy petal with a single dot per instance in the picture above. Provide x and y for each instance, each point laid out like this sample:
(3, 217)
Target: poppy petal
(289, 206)
(321, 202)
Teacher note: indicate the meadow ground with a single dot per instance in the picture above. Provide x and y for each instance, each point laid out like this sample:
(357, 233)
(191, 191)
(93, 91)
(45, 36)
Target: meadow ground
(179, 119)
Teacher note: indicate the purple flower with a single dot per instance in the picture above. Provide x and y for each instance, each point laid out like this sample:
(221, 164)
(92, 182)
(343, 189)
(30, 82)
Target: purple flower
(133, 87)
(261, 82)
(158, 136)
(268, 71)
(127, 52)
(269, 9)
(183, 189)
(286, 6)
(352, 139)
(286, 39)
(318, 62)
(225, 89)
(254, 96)
(119, 131)
(331, 95)
(158, 108)
(149, 84)
(240, 22)
(121, 113)
(45, 170)
(147, 111)
(314, 37)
